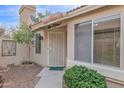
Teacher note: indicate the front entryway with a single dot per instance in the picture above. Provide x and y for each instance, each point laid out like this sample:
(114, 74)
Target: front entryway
(50, 79)
(57, 48)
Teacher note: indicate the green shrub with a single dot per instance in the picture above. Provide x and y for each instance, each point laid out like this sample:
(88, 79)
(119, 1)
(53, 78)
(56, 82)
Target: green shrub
(27, 62)
(82, 77)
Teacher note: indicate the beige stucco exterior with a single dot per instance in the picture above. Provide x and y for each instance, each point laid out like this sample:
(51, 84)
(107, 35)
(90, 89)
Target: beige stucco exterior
(25, 12)
(42, 57)
(67, 24)
(85, 15)
(21, 55)
(112, 72)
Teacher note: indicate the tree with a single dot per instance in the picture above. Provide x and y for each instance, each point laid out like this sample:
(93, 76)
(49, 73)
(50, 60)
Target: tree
(2, 30)
(47, 13)
(41, 15)
(23, 35)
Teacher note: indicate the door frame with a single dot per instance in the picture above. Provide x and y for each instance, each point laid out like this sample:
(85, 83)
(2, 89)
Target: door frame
(64, 50)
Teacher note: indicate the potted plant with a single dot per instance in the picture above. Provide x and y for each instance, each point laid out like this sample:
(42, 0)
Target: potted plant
(82, 77)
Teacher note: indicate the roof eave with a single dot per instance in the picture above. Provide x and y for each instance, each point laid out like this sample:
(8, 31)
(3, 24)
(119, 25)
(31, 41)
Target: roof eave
(70, 15)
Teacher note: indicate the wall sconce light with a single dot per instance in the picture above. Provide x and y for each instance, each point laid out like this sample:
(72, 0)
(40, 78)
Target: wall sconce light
(40, 37)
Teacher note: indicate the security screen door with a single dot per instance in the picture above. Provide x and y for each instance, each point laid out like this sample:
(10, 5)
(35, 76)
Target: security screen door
(56, 48)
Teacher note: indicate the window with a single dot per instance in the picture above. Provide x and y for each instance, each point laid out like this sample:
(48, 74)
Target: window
(107, 41)
(38, 43)
(83, 33)
(106, 34)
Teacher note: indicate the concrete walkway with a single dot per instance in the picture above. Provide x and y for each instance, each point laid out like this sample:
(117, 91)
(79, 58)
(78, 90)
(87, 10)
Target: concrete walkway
(50, 79)
(53, 79)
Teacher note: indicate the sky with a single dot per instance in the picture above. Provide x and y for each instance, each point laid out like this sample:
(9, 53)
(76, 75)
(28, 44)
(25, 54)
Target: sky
(9, 14)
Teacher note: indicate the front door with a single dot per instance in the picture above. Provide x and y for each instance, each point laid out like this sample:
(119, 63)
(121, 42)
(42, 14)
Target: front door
(56, 49)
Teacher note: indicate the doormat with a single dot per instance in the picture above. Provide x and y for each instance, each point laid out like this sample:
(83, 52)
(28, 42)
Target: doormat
(56, 68)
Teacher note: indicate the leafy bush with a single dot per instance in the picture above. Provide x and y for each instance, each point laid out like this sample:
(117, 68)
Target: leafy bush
(82, 77)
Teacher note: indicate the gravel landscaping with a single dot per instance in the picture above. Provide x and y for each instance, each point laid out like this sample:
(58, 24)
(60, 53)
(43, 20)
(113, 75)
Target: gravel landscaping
(21, 76)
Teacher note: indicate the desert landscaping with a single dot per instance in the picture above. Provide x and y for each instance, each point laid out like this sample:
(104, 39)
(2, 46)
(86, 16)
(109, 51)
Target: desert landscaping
(20, 76)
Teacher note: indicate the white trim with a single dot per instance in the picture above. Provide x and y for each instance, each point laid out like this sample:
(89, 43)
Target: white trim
(73, 41)
(107, 15)
(48, 48)
(92, 43)
(84, 62)
(91, 37)
(107, 18)
(83, 21)
(87, 9)
(64, 48)
(121, 25)
(109, 71)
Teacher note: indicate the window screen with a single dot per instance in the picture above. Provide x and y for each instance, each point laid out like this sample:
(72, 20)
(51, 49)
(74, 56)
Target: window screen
(107, 41)
(83, 38)
(38, 43)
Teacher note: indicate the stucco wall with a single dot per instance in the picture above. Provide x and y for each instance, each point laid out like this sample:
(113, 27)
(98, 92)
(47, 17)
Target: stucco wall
(41, 58)
(21, 54)
(116, 73)
(25, 15)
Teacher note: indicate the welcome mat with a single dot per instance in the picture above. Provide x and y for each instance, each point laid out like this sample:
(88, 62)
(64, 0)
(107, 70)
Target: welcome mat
(56, 68)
